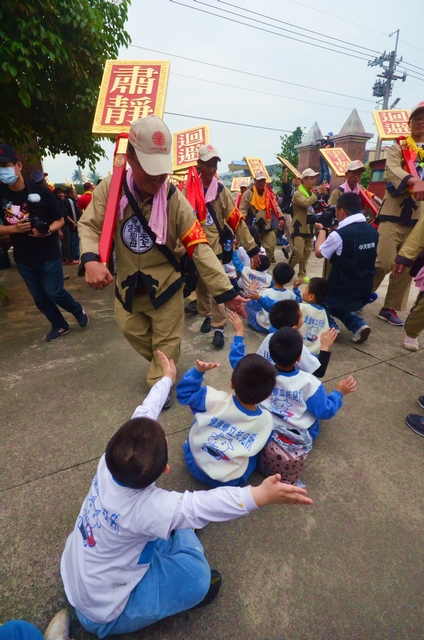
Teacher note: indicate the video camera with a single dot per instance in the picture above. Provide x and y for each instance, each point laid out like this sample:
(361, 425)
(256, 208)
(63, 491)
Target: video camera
(326, 217)
(36, 222)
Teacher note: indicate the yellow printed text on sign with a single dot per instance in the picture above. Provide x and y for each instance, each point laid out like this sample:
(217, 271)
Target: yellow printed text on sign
(186, 145)
(130, 89)
(391, 123)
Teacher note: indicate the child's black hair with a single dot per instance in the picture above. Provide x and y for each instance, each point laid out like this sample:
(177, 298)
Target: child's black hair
(320, 288)
(284, 313)
(138, 453)
(285, 347)
(253, 379)
(282, 273)
(264, 262)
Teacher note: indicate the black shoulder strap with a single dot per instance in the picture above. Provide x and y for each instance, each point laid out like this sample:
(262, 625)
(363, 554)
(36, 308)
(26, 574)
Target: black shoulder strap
(162, 248)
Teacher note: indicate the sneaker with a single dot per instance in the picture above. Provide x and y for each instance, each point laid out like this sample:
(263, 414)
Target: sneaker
(390, 316)
(167, 403)
(82, 318)
(65, 277)
(206, 325)
(58, 628)
(56, 333)
(410, 343)
(362, 334)
(218, 339)
(421, 401)
(216, 581)
(191, 307)
(416, 423)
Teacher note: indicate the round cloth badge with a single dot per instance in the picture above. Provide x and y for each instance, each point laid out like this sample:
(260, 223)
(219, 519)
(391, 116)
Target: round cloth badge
(135, 237)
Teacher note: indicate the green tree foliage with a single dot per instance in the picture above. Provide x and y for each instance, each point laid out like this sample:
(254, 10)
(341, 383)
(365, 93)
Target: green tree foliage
(288, 151)
(51, 65)
(366, 175)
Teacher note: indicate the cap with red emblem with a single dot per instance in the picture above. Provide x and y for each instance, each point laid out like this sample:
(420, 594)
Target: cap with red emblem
(7, 154)
(152, 142)
(418, 107)
(207, 152)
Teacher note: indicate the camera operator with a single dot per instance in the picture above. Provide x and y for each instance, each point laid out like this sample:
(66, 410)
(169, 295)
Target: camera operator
(352, 250)
(32, 218)
(303, 232)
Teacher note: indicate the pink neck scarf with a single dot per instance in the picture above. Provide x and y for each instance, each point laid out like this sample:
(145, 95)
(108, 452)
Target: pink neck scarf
(347, 189)
(210, 194)
(419, 279)
(158, 221)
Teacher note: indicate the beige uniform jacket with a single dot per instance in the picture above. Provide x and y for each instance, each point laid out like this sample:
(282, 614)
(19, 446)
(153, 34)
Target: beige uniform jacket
(398, 204)
(301, 206)
(248, 210)
(223, 206)
(141, 265)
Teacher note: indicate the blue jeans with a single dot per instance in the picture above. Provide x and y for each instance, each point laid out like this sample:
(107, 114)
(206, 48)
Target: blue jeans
(74, 238)
(19, 630)
(324, 171)
(252, 308)
(45, 284)
(178, 578)
(351, 320)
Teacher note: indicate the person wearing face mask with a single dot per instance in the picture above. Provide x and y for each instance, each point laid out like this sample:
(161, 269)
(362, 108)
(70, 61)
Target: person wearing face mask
(31, 217)
(155, 227)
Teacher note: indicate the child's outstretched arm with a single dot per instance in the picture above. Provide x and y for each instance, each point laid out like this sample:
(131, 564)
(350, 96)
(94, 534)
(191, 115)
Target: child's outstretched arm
(237, 323)
(327, 339)
(190, 390)
(238, 348)
(154, 401)
(272, 491)
(347, 386)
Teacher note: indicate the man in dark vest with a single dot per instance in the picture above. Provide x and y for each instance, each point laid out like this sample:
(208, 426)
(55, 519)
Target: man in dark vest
(352, 250)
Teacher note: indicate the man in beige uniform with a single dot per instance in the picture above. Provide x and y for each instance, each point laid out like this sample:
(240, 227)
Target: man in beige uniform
(219, 204)
(149, 300)
(401, 209)
(256, 206)
(303, 233)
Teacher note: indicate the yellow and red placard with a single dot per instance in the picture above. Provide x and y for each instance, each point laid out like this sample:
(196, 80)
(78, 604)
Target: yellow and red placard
(130, 89)
(186, 145)
(256, 164)
(237, 182)
(337, 159)
(289, 166)
(391, 123)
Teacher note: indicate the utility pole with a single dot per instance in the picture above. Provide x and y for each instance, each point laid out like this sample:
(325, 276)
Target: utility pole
(383, 88)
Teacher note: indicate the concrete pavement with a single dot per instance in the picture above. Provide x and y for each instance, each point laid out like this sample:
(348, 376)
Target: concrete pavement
(350, 567)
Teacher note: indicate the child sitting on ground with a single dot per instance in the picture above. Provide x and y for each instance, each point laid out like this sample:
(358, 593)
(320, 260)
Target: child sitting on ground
(315, 319)
(229, 430)
(259, 276)
(288, 313)
(133, 557)
(297, 403)
(260, 303)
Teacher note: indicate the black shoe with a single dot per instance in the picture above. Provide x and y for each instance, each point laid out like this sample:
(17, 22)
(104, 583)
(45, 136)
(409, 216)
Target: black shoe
(421, 401)
(218, 339)
(82, 318)
(416, 423)
(167, 403)
(191, 307)
(216, 581)
(57, 332)
(206, 325)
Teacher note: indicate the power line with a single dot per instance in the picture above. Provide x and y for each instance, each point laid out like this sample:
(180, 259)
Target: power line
(296, 26)
(238, 124)
(265, 93)
(350, 55)
(248, 73)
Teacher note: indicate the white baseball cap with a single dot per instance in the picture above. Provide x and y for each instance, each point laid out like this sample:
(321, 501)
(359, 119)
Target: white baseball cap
(418, 107)
(260, 175)
(355, 165)
(309, 173)
(207, 152)
(152, 142)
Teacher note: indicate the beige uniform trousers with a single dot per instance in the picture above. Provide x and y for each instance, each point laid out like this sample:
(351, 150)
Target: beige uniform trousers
(206, 306)
(269, 242)
(415, 321)
(392, 235)
(302, 249)
(148, 329)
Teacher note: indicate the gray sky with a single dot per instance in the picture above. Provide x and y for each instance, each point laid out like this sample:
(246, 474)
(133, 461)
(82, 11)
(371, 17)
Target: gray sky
(212, 93)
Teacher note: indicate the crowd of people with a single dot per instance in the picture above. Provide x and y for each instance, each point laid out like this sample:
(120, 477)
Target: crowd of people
(134, 557)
